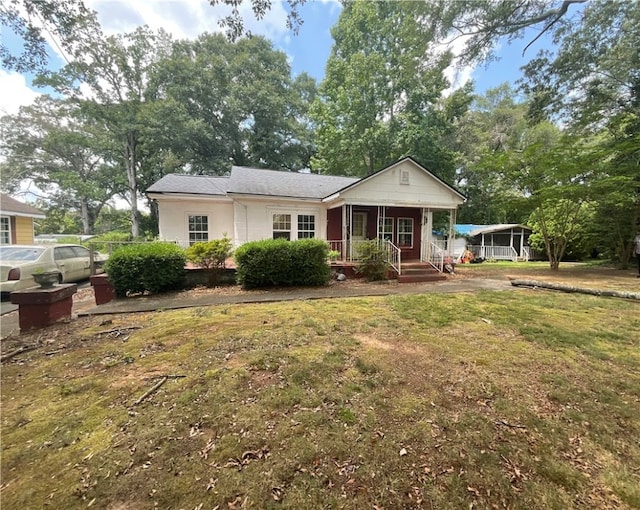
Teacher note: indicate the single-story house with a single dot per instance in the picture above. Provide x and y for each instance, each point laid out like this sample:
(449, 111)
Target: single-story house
(395, 204)
(16, 221)
(504, 241)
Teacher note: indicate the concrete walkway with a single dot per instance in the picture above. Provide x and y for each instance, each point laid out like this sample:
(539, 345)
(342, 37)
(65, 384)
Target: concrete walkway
(85, 304)
(336, 290)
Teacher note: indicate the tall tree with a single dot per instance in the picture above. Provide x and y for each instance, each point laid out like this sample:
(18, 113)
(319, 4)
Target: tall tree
(108, 78)
(492, 127)
(230, 103)
(550, 174)
(53, 144)
(382, 94)
(592, 83)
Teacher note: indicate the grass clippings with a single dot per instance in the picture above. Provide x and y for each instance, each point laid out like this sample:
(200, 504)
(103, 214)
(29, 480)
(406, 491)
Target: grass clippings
(490, 400)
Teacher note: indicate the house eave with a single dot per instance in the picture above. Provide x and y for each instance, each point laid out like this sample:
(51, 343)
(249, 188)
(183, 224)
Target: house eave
(339, 201)
(23, 215)
(155, 195)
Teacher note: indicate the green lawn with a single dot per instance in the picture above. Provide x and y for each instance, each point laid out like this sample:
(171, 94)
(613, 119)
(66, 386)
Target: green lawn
(517, 400)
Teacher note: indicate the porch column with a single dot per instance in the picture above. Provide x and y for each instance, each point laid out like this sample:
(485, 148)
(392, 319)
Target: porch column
(344, 233)
(427, 233)
(452, 231)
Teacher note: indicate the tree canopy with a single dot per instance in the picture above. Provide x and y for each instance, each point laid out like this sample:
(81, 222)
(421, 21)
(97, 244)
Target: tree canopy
(562, 151)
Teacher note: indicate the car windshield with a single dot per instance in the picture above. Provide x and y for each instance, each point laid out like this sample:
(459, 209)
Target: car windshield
(14, 253)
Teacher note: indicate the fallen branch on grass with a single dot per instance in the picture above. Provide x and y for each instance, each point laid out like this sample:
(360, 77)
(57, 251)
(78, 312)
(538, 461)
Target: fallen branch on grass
(117, 331)
(163, 379)
(510, 425)
(19, 350)
(151, 391)
(569, 288)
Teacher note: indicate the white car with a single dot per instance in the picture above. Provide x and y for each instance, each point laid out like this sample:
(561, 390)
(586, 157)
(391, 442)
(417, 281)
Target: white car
(19, 262)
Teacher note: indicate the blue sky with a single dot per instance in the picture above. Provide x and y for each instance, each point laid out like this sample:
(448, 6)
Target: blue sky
(308, 51)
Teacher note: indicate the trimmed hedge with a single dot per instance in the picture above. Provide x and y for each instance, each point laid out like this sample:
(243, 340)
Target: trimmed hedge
(149, 267)
(278, 262)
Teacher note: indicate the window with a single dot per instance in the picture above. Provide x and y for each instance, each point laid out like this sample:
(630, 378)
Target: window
(386, 229)
(404, 176)
(63, 253)
(5, 230)
(282, 226)
(405, 231)
(306, 226)
(81, 252)
(198, 229)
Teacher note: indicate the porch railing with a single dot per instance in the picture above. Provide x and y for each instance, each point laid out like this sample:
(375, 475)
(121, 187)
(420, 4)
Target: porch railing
(434, 253)
(495, 252)
(394, 256)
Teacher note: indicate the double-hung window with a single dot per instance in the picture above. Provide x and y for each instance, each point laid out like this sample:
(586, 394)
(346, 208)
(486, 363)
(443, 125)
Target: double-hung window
(306, 226)
(386, 229)
(198, 229)
(405, 231)
(5, 230)
(282, 226)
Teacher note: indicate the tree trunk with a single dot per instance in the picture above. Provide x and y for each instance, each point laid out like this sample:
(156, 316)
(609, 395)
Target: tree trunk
(132, 181)
(84, 213)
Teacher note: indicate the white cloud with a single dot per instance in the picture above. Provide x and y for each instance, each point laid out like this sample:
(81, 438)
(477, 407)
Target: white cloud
(184, 19)
(457, 75)
(14, 92)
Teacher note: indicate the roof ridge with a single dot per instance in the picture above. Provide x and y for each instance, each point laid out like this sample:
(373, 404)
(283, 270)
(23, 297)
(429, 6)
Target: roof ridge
(294, 172)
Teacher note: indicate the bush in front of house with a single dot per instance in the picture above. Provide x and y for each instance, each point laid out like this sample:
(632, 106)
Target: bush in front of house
(373, 263)
(210, 254)
(278, 262)
(149, 267)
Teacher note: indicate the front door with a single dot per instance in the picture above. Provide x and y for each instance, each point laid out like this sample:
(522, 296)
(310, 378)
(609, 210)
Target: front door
(358, 231)
(359, 227)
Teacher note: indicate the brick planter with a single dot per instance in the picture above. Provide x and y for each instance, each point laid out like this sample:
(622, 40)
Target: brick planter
(103, 289)
(39, 308)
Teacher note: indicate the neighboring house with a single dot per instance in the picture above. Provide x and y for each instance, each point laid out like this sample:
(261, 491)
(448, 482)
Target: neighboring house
(16, 221)
(395, 204)
(505, 241)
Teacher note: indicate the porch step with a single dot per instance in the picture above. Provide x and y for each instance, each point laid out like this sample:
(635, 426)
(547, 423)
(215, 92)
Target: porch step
(412, 273)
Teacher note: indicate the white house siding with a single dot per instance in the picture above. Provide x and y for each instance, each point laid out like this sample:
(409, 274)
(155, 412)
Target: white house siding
(174, 217)
(254, 217)
(385, 188)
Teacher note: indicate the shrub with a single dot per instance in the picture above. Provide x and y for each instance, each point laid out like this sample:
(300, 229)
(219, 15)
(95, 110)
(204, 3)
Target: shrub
(373, 260)
(151, 267)
(210, 254)
(278, 262)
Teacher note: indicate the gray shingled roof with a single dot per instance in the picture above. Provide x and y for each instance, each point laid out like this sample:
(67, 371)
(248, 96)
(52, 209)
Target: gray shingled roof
(254, 181)
(11, 206)
(191, 184)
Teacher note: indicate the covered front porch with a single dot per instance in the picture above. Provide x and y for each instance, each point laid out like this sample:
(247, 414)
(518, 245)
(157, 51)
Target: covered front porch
(405, 234)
